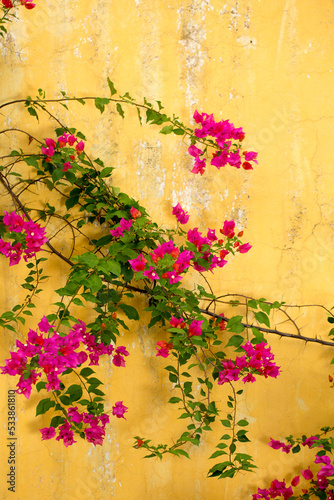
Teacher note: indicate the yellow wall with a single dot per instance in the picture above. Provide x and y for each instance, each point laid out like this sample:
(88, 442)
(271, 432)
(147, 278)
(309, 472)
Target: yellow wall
(265, 65)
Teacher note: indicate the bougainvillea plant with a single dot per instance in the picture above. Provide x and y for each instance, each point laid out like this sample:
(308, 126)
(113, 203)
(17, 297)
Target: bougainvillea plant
(128, 254)
(8, 9)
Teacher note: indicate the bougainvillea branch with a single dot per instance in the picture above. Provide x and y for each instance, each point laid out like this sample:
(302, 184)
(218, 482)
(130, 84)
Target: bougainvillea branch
(129, 254)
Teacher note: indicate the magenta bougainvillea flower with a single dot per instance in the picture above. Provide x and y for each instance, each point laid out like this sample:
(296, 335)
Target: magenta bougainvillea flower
(138, 264)
(181, 216)
(225, 135)
(28, 4)
(34, 238)
(48, 432)
(163, 348)
(119, 409)
(195, 328)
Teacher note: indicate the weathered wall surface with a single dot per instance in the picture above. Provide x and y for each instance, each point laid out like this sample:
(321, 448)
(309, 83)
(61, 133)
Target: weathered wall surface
(267, 66)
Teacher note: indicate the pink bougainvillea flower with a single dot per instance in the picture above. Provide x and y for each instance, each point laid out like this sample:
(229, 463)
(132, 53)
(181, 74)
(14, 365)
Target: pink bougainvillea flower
(72, 139)
(151, 274)
(67, 166)
(50, 151)
(119, 409)
(199, 167)
(181, 216)
(124, 226)
(48, 432)
(138, 264)
(50, 143)
(194, 151)
(164, 348)
(249, 378)
(307, 474)
(250, 156)
(44, 326)
(80, 146)
(310, 441)
(220, 160)
(228, 228)
(7, 4)
(244, 248)
(14, 222)
(295, 481)
(177, 322)
(28, 4)
(195, 328)
(173, 277)
(62, 140)
(135, 213)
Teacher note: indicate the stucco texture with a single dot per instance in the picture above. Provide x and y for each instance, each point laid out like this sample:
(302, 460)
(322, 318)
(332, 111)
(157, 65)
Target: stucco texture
(267, 66)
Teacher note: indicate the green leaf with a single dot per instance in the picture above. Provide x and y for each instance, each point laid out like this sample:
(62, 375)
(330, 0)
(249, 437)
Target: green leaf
(40, 386)
(114, 267)
(57, 174)
(85, 372)
(106, 172)
(252, 303)
(57, 420)
(235, 340)
(31, 161)
(242, 423)
(44, 405)
(218, 454)
(130, 311)
(226, 423)
(88, 258)
(167, 130)
(178, 452)
(113, 91)
(75, 392)
(234, 324)
(265, 307)
(174, 400)
(33, 112)
(262, 317)
(178, 131)
(94, 282)
(100, 103)
(120, 110)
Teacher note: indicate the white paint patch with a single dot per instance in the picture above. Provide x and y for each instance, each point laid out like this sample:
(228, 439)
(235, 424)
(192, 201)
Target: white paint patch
(302, 405)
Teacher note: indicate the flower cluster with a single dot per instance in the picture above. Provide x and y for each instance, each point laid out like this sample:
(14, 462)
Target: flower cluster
(119, 231)
(166, 248)
(258, 360)
(125, 225)
(181, 216)
(277, 489)
(93, 426)
(318, 483)
(210, 256)
(66, 139)
(224, 134)
(27, 235)
(194, 329)
(163, 348)
(9, 4)
(277, 445)
(54, 354)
